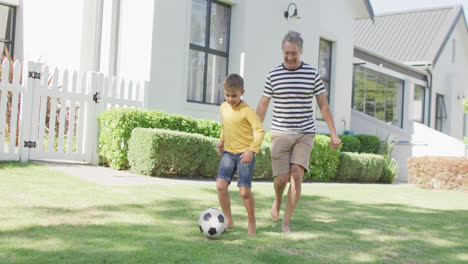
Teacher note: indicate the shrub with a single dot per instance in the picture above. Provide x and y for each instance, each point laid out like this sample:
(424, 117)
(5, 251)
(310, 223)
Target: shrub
(263, 169)
(350, 143)
(172, 153)
(267, 136)
(450, 173)
(116, 125)
(369, 143)
(323, 161)
(390, 165)
(359, 167)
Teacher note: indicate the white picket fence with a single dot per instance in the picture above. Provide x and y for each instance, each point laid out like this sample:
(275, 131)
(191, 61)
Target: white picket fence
(55, 113)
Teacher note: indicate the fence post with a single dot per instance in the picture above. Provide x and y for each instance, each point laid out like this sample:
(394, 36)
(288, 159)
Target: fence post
(94, 106)
(30, 74)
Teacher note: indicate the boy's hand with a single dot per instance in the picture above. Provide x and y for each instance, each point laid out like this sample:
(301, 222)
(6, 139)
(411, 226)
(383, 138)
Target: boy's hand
(246, 157)
(220, 148)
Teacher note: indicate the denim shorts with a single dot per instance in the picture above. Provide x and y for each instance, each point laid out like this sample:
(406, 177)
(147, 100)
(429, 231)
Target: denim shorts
(230, 163)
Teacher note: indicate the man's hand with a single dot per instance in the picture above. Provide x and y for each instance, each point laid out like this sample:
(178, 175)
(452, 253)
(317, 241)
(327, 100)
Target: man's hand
(246, 157)
(335, 142)
(220, 148)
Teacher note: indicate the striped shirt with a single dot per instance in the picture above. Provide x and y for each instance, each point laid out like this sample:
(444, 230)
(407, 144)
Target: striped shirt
(292, 92)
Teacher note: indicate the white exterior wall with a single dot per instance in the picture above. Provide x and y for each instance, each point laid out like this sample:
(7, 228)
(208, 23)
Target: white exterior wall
(257, 29)
(451, 80)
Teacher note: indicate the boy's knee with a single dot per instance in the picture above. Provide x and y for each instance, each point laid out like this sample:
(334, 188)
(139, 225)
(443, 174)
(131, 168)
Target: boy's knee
(221, 186)
(245, 193)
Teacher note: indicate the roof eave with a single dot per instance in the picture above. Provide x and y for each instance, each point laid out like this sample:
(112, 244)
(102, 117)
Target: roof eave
(399, 63)
(370, 10)
(461, 13)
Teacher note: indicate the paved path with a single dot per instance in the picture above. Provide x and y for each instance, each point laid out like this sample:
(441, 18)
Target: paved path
(110, 177)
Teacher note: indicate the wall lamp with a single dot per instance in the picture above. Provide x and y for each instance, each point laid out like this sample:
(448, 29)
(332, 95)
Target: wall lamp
(294, 15)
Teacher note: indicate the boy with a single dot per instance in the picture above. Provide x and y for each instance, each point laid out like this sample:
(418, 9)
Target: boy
(240, 143)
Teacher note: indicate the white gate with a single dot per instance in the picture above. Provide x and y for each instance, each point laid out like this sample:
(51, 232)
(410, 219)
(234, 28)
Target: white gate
(53, 115)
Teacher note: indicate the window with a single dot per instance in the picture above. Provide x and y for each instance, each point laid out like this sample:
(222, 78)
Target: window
(324, 68)
(441, 112)
(419, 103)
(378, 95)
(7, 30)
(209, 50)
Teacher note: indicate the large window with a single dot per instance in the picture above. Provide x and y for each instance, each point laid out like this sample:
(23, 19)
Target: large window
(441, 112)
(378, 95)
(419, 103)
(209, 49)
(324, 68)
(7, 30)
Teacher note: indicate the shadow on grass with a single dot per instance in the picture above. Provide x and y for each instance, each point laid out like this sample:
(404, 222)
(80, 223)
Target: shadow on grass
(329, 231)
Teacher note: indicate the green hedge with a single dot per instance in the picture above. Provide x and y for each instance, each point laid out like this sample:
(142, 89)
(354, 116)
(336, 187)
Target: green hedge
(350, 143)
(116, 125)
(323, 161)
(359, 167)
(171, 153)
(369, 143)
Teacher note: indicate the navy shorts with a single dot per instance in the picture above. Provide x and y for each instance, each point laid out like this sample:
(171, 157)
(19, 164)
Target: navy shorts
(230, 163)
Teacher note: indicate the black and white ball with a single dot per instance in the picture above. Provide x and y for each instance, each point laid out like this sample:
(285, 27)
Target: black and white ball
(212, 223)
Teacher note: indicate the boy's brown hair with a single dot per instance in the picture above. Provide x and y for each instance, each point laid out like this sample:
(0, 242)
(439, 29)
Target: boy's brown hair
(233, 82)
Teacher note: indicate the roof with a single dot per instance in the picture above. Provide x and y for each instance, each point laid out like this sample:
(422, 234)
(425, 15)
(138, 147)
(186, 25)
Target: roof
(409, 36)
(363, 9)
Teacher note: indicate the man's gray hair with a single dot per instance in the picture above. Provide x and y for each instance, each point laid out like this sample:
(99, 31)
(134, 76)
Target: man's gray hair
(293, 37)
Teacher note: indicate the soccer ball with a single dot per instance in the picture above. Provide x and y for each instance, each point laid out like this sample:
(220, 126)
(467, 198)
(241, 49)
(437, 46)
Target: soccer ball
(212, 223)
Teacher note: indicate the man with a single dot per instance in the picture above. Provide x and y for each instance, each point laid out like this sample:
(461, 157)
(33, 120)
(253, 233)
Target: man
(293, 85)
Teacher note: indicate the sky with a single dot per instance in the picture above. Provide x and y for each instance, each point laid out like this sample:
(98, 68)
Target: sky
(381, 6)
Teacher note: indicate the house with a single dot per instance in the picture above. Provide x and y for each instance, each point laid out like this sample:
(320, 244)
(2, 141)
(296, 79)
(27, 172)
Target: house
(190, 58)
(421, 56)
(185, 48)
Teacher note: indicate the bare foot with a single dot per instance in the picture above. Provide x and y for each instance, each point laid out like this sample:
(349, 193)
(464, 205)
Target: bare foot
(230, 226)
(275, 209)
(286, 229)
(252, 230)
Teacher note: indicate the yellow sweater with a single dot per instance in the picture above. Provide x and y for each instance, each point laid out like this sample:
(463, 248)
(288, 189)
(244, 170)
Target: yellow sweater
(239, 124)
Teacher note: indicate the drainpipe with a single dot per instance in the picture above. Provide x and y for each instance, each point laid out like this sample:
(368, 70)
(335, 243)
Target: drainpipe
(430, 96)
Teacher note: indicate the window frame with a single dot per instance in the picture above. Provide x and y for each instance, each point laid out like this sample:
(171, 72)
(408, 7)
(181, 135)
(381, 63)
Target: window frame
(11, 29)
(399, 94)
(423, 110)
(329, 79)
(440, 108)
(209, 51)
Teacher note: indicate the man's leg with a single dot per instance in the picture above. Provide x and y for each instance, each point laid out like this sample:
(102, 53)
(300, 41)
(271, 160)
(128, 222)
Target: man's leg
(279, 186)
(225, 201)
(249, 203)
(294, 194)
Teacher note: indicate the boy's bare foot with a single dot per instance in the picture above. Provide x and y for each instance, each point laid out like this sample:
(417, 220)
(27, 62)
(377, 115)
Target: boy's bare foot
(230, 226)
(275, 209)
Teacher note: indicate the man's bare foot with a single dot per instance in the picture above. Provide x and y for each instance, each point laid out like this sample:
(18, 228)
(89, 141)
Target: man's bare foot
(286, 229)
(275, 209)
(252, 229)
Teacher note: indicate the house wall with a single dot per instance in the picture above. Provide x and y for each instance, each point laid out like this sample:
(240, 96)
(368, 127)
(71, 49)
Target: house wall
(257, 29)
(450, 79)
(362, 123)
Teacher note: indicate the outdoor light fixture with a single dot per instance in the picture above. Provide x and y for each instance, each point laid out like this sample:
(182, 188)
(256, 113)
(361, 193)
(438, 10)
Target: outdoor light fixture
(294, 15)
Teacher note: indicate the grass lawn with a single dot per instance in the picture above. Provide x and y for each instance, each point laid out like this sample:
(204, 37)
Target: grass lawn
(47, 216)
